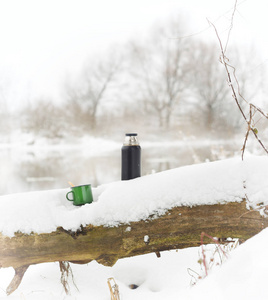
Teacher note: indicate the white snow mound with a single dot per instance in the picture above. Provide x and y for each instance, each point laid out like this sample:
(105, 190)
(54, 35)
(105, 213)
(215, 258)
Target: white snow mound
(134, 200)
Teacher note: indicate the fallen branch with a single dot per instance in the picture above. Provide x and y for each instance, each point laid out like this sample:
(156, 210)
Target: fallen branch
(179, 228)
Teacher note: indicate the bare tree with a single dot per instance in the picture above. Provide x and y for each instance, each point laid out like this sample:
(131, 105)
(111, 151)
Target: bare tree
(213, 107)
(160, 67)
(85, 96)
(208, 86)
(44, 119)
(5, 114)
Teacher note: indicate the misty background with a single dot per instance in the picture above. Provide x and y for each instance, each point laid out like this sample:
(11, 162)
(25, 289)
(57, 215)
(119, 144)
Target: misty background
(68, 95)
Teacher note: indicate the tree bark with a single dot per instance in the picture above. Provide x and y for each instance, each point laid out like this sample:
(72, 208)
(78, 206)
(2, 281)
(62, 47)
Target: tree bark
(179, 228)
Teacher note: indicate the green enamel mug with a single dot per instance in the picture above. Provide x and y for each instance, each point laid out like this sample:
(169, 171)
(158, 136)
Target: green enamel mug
(81, 194)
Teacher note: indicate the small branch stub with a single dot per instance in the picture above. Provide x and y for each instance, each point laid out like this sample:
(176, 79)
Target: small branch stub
(19, 273)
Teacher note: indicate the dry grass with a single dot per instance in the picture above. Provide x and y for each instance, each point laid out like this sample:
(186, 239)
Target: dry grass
(114, 289)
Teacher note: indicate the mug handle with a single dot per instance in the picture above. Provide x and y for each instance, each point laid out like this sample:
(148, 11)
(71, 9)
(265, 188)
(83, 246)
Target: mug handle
(68, 194)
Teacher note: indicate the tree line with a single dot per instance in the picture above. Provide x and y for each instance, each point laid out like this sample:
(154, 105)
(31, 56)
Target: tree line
(163, 82)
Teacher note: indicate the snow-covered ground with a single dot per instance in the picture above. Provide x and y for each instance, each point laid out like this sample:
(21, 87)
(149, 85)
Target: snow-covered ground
(243, 275)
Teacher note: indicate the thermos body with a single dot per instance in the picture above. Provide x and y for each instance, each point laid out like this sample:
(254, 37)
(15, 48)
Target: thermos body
(131, 157)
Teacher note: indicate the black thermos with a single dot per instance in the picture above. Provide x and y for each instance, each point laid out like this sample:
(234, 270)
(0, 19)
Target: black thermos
(131, 157)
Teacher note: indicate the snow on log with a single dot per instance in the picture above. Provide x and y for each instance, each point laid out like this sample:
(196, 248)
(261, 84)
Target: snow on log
(180, 227)
(153, 213)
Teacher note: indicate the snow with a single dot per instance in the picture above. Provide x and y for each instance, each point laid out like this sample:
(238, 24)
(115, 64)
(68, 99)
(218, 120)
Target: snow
(243, 275)
(134, 200)
(146, 238)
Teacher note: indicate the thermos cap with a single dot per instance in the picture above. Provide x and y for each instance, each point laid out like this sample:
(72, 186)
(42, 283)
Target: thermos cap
(131, 134)
(131, 139)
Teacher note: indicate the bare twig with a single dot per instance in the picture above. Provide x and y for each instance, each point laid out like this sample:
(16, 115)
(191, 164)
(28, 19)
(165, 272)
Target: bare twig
(252, 108)
(66, 271)
(203, 252)
(231, 26)
(193, 277)
(263, 208)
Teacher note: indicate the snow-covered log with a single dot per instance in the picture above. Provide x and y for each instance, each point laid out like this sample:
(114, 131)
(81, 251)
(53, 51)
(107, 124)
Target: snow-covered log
(180, 227)
(153, 213)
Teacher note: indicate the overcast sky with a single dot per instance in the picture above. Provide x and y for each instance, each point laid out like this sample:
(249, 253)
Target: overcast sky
(42, 40)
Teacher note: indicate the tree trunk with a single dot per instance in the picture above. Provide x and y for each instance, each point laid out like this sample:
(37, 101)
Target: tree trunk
(180, 227)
